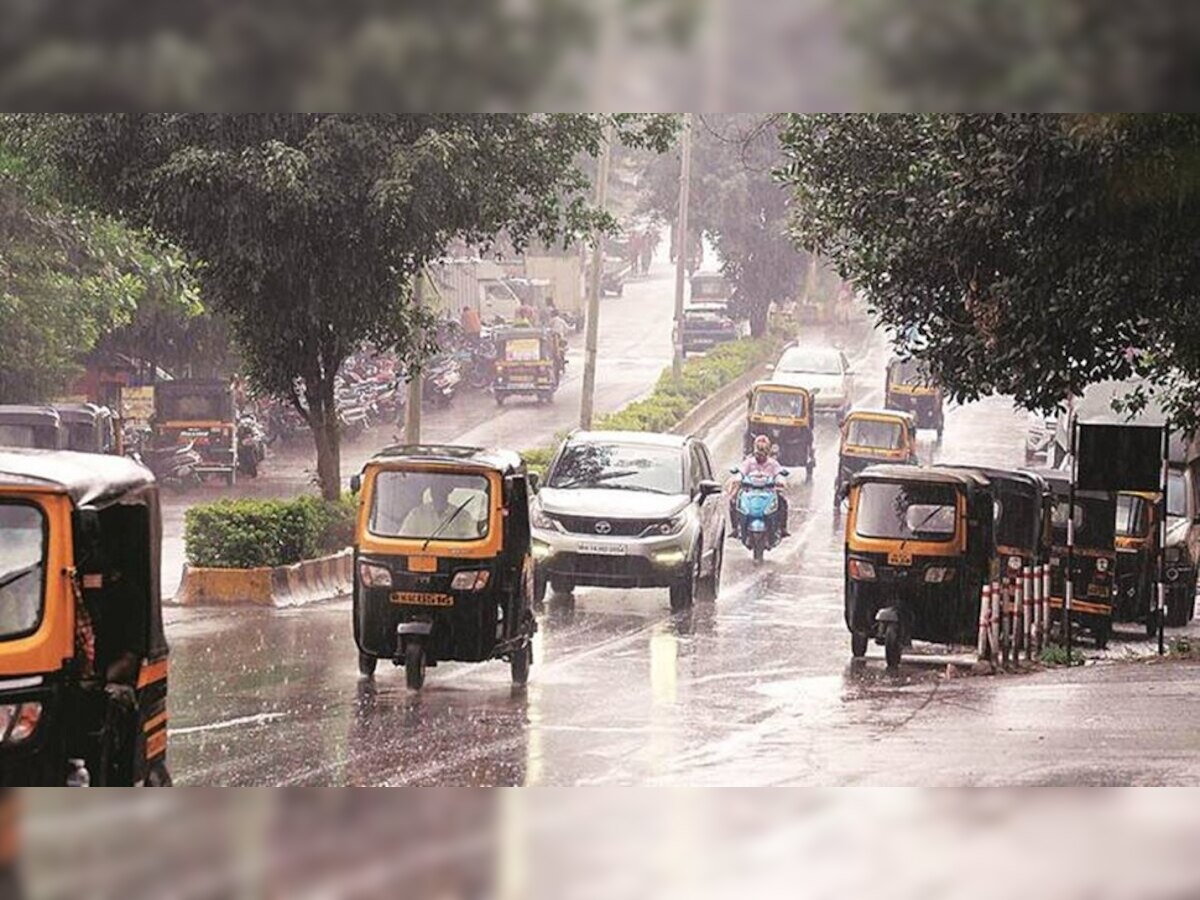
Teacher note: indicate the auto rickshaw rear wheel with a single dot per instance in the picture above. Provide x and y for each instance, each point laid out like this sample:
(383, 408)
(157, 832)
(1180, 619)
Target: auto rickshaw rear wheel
(858, 644)
(891, 644)
(1101, 634)
(366, 664)
(414, 665)
(1152, 623)
(519, 663)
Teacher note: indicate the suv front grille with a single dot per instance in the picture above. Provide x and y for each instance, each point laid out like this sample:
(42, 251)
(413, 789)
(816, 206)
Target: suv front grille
(617, 527)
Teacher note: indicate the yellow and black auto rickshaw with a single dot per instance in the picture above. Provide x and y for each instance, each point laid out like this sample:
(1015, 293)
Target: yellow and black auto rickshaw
(528, 361)
(919, 548)
(873, 437)
(1095, 555)
(442, 564)
(198, 413)
(89, 428)
(31, 427)
(1136, 540)
(910, 388)
(782, 412)
(83, 659)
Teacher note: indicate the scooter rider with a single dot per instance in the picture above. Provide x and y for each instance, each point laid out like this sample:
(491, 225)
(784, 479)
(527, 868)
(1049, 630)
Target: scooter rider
(762, 463)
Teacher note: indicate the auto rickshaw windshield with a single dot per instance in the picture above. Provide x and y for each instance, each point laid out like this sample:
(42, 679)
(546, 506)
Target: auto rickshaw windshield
(22, 568)
(788, 404)
(1095, 522)
(910, 372)
(1016, 519)
(18, 436)
(909, 512)
(424, 505)
(1133, 516)
(879, 433)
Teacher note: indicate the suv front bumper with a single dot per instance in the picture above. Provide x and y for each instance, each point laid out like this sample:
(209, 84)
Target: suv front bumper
(620, 562)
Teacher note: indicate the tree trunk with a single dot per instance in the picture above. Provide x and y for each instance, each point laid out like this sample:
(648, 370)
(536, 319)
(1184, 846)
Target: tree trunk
(759, 319)
(323, 420)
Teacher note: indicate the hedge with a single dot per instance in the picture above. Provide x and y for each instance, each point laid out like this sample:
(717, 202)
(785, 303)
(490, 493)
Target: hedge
(246, 534)
(673, 398)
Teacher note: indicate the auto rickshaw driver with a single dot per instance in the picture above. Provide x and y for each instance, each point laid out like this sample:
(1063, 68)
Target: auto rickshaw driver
(439, 517)
(760, 462)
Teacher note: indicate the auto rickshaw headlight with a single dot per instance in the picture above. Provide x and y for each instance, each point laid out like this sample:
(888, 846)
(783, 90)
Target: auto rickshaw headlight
(1102, 564)
(938, 574)
(472, 580)
(861, 570)
(18, 722)
(371, 575)
(1014, 563)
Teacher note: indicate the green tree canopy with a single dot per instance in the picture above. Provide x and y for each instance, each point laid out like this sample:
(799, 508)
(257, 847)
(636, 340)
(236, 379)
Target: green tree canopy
(738, 204)
(1021, 255)
(310, 228)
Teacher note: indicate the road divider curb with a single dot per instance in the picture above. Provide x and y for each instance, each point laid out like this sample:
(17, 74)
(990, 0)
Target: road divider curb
(310, 581)
(720, 401)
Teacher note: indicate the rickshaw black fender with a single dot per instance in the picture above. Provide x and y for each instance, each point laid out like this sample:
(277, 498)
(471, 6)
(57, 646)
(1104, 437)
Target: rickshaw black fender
(887, 614)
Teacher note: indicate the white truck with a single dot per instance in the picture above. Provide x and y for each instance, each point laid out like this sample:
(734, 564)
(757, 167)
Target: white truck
(475, 283)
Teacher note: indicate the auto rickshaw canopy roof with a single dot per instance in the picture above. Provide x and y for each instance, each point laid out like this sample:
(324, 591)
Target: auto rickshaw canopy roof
(1059, 483)
(499, 460)
(879, 414)
(967, 479)
(82, 413)
(91, 480)
(781, 387)
(21, 414)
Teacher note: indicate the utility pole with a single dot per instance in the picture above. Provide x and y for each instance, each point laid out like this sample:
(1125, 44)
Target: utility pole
(412, 414)
(681, 240)
(587, 402)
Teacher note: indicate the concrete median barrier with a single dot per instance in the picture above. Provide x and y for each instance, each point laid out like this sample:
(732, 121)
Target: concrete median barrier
(311, 581)
(720, 402)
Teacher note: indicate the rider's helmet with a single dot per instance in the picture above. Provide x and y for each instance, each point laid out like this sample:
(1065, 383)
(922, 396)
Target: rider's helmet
(762, 447)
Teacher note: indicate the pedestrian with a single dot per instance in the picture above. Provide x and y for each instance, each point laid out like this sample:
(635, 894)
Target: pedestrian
(472, 325)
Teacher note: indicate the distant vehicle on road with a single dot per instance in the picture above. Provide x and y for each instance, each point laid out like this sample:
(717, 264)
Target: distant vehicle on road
(783, 412)
(90, 428)
(710, 286)
(706, 324)
(198, 412)
(909, 387)
(630, 510)
(870, 437)
(822, 370)
(31, 428)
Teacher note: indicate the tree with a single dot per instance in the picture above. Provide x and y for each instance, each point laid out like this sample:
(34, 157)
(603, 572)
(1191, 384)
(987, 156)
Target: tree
(310, 228)
(66, 278)
(739, 206)
(1020, 255)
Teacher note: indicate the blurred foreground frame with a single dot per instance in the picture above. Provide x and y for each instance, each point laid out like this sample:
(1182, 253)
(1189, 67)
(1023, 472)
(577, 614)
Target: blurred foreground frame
(608, 844)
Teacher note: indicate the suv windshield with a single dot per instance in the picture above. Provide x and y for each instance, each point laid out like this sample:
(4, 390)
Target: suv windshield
(22, 568)
(907, 512)
(875, 433)
(444, 506)
(811, 362)
(627, 467)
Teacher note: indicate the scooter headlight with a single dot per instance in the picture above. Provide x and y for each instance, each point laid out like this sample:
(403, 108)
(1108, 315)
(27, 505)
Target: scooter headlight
(372, 575)
(861, 570)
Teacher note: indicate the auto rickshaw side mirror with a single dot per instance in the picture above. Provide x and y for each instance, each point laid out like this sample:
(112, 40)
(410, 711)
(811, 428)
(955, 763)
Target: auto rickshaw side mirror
(535, 482)
(355, 484)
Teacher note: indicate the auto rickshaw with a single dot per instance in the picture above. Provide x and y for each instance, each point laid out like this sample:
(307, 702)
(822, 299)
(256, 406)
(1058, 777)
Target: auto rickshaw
(1136, 540)
(83, 658)
(90, 428)
(528, 361)
(31, 427)
(782, 412)
(442, 564)
(909, 387)
(1095, 555)
(918, 552)
(870, 437)
(198, 412)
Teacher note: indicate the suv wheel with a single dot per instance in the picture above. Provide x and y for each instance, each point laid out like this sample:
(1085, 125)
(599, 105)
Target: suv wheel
(712, 584)
(683, 591)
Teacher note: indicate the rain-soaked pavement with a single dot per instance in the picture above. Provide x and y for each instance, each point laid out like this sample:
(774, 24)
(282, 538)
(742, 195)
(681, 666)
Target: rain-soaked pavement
(756, 688)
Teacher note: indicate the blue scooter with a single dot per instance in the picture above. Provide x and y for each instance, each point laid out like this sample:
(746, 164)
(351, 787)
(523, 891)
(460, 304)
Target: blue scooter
(758, 504)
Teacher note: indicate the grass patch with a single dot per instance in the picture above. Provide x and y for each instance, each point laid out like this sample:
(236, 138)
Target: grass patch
(1056, 655)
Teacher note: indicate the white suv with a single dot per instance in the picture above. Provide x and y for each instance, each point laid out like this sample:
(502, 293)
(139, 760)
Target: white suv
(626, 509)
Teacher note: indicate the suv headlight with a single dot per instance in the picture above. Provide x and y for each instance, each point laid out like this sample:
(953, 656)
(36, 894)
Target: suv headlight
(673, 525)
(372, 575)
(540, 519)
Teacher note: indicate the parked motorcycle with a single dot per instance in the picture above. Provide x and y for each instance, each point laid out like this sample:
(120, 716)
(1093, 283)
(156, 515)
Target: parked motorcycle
(441, 378)
(757, 503)
(174, 467)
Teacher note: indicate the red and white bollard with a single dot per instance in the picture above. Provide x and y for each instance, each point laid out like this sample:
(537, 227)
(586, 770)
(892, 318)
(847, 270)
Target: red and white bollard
(997, 619)
(985, 623)
(1027, 610)
(1045, 603)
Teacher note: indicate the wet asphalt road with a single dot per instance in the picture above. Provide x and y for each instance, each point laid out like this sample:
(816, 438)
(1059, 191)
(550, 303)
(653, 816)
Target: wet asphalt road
(756, 688)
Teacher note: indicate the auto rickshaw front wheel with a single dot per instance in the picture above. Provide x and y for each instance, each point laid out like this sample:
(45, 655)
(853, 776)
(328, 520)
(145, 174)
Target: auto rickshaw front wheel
(414, 665)
(891, 644)
(1101, 633)
(366, 664)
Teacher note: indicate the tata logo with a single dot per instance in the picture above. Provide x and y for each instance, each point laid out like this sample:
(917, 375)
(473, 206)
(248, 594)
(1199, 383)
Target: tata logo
(603, 528)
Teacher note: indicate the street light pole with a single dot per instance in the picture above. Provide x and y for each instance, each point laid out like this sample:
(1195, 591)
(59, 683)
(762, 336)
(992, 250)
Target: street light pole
(587, 401)
(681, 241)
(412, 415)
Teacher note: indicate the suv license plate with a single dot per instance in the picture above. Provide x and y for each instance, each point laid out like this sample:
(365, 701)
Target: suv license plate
(603, 549)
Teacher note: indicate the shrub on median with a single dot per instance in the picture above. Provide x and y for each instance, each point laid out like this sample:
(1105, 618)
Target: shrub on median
(246, 534)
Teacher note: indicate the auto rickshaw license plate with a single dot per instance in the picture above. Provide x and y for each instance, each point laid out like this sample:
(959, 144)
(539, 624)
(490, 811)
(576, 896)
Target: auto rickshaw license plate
(899, 558)
(416, 598)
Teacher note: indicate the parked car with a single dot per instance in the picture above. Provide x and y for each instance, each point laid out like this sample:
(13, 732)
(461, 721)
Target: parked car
(625, 510)
(824, 371)
(706, 324)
